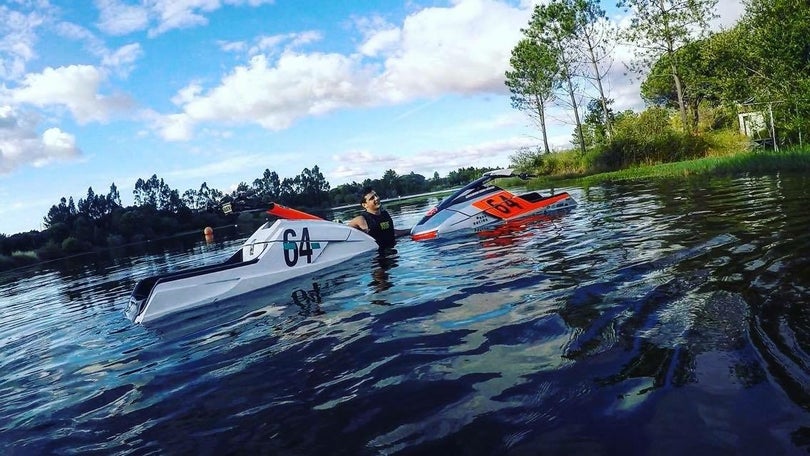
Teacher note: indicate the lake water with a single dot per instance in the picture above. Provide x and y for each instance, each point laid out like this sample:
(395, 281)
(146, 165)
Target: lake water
(666, 317)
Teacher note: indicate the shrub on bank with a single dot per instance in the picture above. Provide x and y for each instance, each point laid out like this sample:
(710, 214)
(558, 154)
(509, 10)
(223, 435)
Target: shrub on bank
(17, 259)
(641, 139)
(561, 163)
(722, 143)
(646, 139)
(50, 251)
(72, 245)
(629, 151)
(6, 263)
(115, 240)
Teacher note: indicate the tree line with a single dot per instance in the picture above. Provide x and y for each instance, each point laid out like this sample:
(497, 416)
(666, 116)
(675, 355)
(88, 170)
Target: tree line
(100, 221)
(695, 83)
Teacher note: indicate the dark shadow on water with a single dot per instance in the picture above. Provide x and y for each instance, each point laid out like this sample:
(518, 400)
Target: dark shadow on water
(382, 264)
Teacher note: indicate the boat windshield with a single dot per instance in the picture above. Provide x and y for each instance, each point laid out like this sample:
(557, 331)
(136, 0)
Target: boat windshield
(473, 186)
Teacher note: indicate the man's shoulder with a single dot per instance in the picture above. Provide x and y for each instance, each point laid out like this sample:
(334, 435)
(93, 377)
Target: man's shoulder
(356, 221)
(367, 214)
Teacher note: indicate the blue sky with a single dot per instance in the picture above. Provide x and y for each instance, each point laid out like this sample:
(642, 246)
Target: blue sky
(217, 91)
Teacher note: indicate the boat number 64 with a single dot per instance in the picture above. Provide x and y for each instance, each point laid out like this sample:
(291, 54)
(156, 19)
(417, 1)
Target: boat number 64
(297, 248)
(505, 204)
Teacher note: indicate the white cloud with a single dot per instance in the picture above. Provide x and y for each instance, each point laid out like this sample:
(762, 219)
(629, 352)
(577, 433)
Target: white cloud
(232, 46)
(232, 165)
(363, 157)
(56, 145)
(344, 173)
(446, 160)
(380, 36)
(159, 16)
(382, 42)
(187, 94)
(21, 145)
(729, 11)
(75, 87)
(176, 14)
(461, 49)
(300, 39)
(271, 44)
(175, 127)
(17, 40)
(273, 96)
(78, 33)
(267, 44)
(361, 164)
(122, 60)
(118, 18)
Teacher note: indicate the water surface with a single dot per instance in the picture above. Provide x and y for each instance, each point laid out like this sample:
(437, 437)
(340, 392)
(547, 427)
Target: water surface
(655, 318)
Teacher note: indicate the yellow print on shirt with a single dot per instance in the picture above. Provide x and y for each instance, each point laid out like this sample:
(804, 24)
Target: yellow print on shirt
(384, 225)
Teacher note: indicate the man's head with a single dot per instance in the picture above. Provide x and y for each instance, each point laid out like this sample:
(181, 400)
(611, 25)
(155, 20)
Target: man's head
(370, 200)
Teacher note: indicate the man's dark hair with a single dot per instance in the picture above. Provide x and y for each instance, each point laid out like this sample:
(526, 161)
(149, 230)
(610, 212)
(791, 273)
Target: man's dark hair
(364, 192)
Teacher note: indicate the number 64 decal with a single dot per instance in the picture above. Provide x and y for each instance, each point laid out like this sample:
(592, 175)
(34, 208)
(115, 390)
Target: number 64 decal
(501, 205)
(297, 248)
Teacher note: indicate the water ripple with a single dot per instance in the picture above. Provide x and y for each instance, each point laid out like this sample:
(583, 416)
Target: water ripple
(649, 308)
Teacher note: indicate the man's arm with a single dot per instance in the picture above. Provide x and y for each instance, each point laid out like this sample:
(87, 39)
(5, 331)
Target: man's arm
(400, 233)
(359, 222)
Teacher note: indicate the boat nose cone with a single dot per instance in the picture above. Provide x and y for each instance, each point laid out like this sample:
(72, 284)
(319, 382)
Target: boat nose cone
(425, 235)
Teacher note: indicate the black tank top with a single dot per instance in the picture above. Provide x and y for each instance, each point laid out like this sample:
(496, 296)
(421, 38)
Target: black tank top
(381, 228)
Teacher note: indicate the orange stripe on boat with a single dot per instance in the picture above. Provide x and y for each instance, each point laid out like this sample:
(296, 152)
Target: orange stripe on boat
(424, 236)
(289, 213)
(506, 206)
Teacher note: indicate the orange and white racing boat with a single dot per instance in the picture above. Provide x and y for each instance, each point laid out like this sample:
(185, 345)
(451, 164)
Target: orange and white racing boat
(480, 205)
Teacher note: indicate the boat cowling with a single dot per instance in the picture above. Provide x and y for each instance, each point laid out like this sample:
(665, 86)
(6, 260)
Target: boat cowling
(480, 205)
(276, 252)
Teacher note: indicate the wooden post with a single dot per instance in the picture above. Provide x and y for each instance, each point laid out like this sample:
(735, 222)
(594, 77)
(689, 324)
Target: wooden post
(773, 129)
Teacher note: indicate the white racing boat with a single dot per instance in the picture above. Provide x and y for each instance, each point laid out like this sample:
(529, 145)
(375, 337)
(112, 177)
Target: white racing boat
(480, 205)
(295, 245)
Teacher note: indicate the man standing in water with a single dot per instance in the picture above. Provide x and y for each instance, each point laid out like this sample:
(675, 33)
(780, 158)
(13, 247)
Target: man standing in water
(376, 221)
